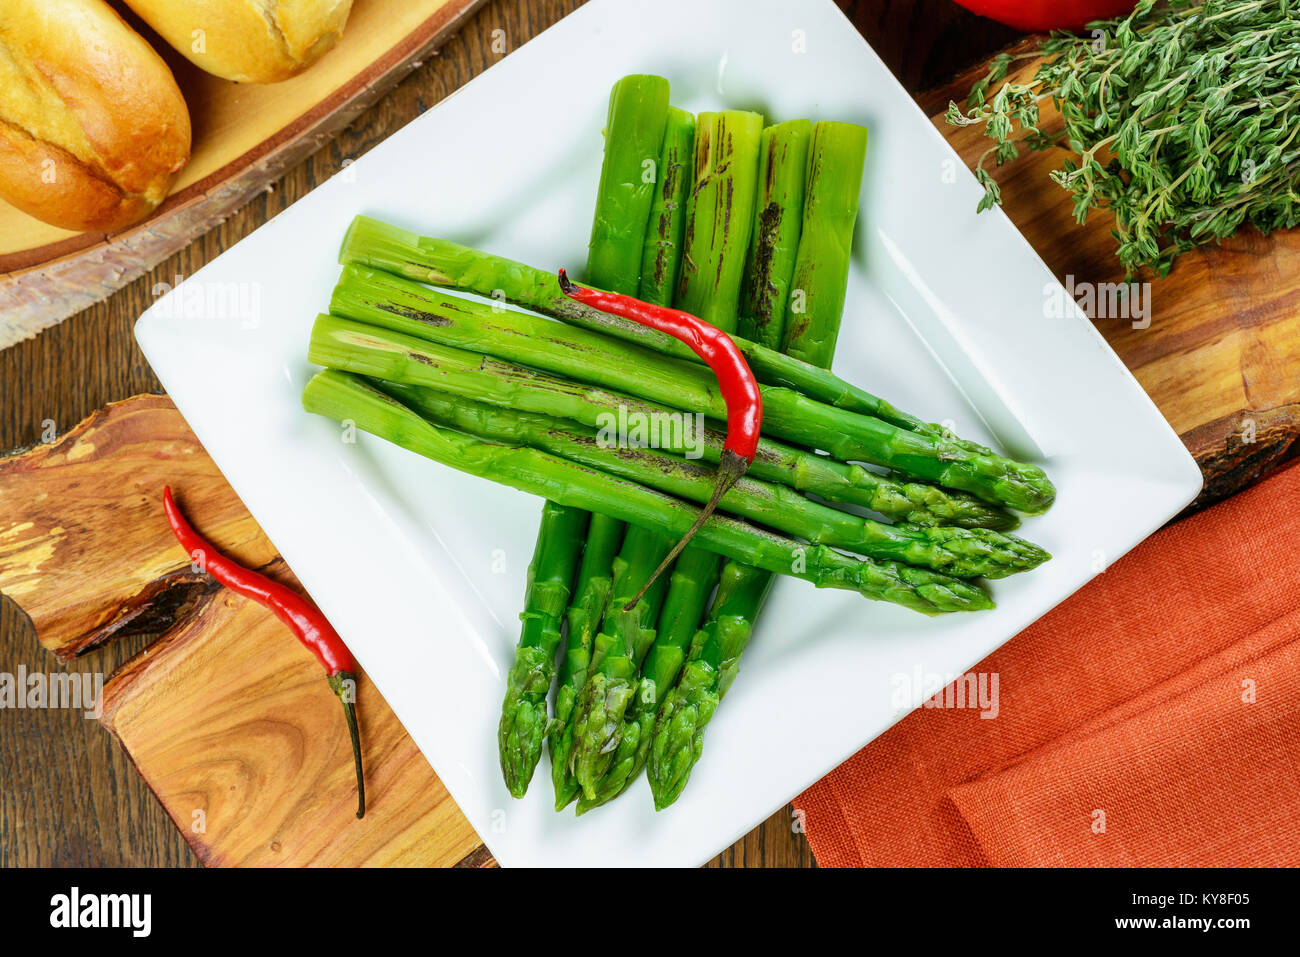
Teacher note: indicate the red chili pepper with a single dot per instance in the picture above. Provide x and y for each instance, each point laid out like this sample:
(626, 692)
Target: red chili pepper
(736, 382)
(302, 617)
(1047, 15)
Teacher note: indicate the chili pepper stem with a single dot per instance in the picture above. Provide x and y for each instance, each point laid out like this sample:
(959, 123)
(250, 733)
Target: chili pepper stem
(340, 682)
(730, 468)
(566, 284)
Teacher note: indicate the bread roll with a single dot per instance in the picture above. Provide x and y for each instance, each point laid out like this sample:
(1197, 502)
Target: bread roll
(252, 41)
(92, 124)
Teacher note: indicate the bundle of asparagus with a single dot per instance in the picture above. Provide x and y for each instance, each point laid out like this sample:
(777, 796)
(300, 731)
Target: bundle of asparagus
(423, 317)
(609, 760)
(347, 397)
(803, 224)
(825, 213)
(614, 749)
(750, 228)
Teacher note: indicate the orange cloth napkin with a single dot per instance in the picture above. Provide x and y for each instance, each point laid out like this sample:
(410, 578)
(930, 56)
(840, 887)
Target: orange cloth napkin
(1153, 719)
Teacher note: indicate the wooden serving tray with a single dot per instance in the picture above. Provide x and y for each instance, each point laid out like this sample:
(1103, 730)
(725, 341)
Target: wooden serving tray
(1221, 355)
(245, 137)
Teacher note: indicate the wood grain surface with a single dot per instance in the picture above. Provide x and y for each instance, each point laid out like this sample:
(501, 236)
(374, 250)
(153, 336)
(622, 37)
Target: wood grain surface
(1217, 344)
(82, 548)
(69, 796)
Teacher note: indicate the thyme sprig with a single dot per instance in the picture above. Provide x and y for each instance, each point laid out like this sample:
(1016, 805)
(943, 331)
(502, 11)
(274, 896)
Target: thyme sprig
(1183, 121)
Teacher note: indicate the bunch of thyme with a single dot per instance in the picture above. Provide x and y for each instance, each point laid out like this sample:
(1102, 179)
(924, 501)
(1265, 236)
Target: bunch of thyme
(1183, 120)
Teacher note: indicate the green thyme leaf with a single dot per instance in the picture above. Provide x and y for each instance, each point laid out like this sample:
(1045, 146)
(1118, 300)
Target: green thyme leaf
(1182, 121)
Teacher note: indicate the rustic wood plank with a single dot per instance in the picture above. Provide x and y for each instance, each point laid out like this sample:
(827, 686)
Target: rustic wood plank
(84, 548)
(1219, 350)
(777, 842)
(69, 796)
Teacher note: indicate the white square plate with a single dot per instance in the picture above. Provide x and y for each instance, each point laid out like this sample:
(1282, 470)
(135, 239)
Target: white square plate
(422, 569)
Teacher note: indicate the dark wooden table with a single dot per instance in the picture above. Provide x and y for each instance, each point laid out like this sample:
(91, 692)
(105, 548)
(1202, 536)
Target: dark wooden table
(68, 794)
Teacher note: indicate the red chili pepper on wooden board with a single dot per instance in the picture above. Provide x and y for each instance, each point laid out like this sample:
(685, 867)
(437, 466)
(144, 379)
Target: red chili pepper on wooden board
(302, 617)
(736, 382)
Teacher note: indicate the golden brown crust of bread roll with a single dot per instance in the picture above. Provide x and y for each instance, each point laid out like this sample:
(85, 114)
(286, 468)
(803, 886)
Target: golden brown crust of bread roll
(251, 41)
(92, 125)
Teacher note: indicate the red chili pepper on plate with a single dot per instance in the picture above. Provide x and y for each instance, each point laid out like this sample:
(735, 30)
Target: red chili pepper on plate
(736, 382)
(302, 617)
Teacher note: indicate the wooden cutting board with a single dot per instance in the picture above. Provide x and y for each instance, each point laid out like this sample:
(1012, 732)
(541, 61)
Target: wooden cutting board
(1221, 354)
(245, 137)
(228, 719)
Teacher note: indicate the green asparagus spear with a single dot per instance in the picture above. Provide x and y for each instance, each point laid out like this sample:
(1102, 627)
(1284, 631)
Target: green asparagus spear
(778, 218)
(440, 262)
(550, 575)
(719, 215)
(392, 303)
(678, 735)
(591, 596)
(626, 636)
(640, 553)
(618, 706)
(662, 254)
(634, 130)
(913, 503)
(821, 271)
(965, 553)
(341, 396)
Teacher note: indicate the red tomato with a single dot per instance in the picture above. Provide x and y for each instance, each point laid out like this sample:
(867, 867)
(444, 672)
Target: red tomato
(1038, 15)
